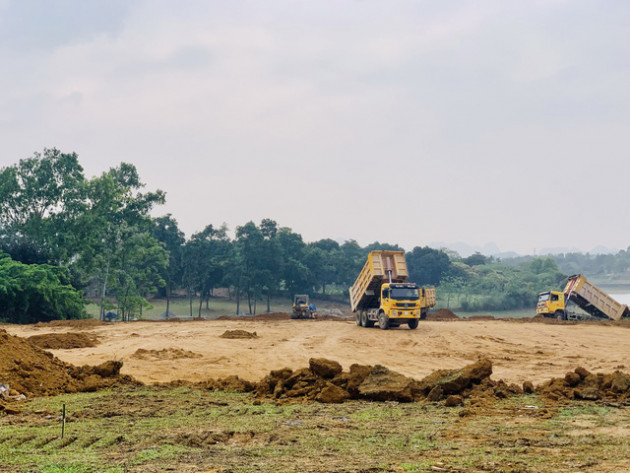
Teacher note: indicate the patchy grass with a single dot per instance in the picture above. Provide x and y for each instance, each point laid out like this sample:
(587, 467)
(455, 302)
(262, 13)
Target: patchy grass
(151, 429)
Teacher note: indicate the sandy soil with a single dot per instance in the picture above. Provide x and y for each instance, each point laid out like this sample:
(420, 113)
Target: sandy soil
(520, 351)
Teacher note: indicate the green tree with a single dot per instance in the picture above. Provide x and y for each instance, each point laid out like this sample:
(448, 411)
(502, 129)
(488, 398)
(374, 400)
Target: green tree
(41, 199)
(206, 257)
(115, 225)
(294, 272)
(32, 293)
(427, 266)
(167, 232)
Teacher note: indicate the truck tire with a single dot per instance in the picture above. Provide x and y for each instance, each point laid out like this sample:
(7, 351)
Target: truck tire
(358, 317)
(363, 318)
(383, 321)
(413, 324)
(560, 315)
(423, 314)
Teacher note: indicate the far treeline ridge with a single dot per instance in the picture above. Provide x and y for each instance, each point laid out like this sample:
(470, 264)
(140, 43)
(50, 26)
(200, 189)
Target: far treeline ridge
(65, 238)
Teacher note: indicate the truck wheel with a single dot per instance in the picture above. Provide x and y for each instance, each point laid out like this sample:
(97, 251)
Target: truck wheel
(358, 317)
(383, 321)
(413, 324)
(423, 315)
(363, 318)
(560, 315)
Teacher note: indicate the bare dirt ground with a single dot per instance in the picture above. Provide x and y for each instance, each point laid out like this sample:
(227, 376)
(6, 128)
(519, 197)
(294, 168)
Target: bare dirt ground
(520, 351)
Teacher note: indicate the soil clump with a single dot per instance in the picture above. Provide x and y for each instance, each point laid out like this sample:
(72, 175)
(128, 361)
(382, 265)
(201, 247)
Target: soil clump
(64, 341)
(238, 334)
(325, 381)
(582, 384)
(164, 354)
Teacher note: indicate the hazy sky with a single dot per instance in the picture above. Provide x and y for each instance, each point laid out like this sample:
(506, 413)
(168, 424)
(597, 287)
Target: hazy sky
(409, 122)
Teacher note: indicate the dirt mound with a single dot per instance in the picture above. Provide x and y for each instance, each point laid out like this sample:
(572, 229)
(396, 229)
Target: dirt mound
(336, 318)
(78, 323)
(238, 334)
(582, 384)
(481, 317)
(57, 341)
(325, 381)
(442, 314)
(259, 317)
(164, 354)
(32, 371)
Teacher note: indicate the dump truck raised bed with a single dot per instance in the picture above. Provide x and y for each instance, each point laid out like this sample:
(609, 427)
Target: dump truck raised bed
(382, 293)
(585, 295)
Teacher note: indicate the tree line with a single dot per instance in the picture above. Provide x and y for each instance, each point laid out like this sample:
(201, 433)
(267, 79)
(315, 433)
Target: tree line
(96, 237)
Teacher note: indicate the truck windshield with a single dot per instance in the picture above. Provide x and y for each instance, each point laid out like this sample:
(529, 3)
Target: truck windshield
(404, 293)
(543, 297)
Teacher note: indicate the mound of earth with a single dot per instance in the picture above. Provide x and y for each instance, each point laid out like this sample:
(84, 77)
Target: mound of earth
(442, 314)
(238, 334)
(325, 381)
(164, 354)
(582, 384)
(259, 317)
(57, 341)
(73, 323)
(481, 317)
(32, 371)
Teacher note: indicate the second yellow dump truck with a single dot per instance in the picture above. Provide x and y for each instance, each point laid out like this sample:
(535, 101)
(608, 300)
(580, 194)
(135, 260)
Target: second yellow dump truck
(382, 293)
(585, 295)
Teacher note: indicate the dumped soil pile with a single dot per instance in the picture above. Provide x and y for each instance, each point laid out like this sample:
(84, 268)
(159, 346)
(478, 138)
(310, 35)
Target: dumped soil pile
(31, 371)
(336, 318)
(236, 334)
(325, 381)
(260, 317)
(442, 314)
(164, 354)
(81, 324)
(64, 341)
(481, 317)
(582, 384)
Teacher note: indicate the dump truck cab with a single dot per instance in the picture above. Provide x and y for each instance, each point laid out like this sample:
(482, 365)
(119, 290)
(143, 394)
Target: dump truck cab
(381, 293)
(400, 301)
(551, 304)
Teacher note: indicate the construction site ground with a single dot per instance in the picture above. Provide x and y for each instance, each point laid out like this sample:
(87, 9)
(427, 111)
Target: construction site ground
(182, 428)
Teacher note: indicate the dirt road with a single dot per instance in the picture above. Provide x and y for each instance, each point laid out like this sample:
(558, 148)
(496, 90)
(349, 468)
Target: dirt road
(195, 351)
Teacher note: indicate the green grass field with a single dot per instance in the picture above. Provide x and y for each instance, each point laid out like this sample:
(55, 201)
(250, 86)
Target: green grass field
(156, 429)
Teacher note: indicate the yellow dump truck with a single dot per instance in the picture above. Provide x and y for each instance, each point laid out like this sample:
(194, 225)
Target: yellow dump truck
(382, 294)
(585, 295)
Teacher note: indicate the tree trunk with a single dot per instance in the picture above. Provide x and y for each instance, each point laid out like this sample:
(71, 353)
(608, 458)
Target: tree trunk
(104, 291)
(190, 298)
(249, 298)
(238, 301)
(200, 303)
(255, 299)
(168, 300)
